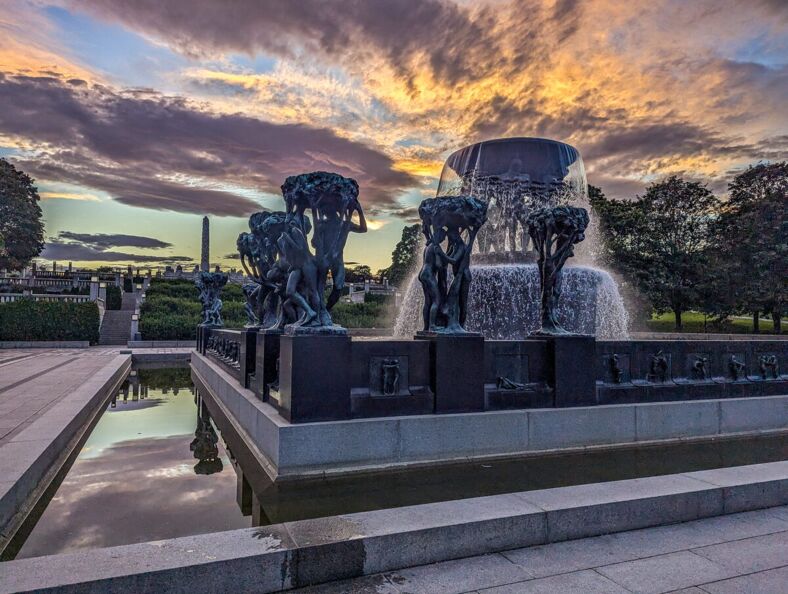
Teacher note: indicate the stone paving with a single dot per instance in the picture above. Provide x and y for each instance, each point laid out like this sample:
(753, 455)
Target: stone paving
(745, 552)
(32, 380)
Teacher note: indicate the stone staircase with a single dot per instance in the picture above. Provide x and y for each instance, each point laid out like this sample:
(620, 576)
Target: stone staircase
(116, 326)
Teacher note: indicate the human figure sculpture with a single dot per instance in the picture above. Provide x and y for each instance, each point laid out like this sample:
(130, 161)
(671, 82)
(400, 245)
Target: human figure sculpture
(615, 369)
(736, 367)
(456, 219)
(210, 285)
(554, 232)
(390, 376)
(333, 202)
(699, 367)
(768, 365)
(659, 367)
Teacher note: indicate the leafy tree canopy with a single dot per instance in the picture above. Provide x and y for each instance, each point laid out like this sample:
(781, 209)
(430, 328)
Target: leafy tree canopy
(404, 255)
(660, 240)
(21, 228)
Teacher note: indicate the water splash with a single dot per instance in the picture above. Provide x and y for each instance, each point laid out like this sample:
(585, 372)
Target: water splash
(504, 303)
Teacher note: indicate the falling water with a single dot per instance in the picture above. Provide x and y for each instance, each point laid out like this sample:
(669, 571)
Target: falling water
(504, 303)
(514, 176)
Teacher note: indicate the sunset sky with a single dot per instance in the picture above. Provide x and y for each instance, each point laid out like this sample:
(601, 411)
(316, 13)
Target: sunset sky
(138, 117)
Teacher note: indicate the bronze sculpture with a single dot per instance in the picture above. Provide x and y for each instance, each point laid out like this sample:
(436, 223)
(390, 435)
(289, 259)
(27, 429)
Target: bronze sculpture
(554, 232)
(457, 221)
(210, 285)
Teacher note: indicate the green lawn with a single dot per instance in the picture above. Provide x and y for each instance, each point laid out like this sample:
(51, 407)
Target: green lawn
(693, 322)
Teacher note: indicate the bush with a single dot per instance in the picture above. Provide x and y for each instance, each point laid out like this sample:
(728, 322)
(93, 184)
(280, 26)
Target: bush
(26, 319)
(114, 297)
(362, 315)
(171, 310)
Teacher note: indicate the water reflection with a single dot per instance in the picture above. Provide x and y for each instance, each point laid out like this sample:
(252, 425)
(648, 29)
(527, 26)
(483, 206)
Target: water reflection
(205, 445)
(135, 479)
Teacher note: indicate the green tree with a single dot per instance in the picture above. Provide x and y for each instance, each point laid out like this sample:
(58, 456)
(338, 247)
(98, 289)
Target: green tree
(660, 241)
(753, 248)
(358, 274)
(403, 256)
(21, 228)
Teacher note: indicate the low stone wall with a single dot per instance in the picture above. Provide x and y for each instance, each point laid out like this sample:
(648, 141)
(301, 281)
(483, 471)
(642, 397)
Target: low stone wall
(44, 344)
(283, 556)
(161, 344)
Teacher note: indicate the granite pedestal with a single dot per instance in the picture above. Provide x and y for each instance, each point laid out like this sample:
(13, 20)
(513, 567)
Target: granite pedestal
(266, 366)
(572, 369)
(314, 378)
(457, 371)
(246, 358)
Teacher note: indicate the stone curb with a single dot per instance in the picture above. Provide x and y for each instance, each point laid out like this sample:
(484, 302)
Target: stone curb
(30, 459)
(161, 344)
(44, 344)
(294, 554)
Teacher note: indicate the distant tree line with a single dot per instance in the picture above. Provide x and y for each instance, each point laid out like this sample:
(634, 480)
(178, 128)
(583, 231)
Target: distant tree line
(684, 249)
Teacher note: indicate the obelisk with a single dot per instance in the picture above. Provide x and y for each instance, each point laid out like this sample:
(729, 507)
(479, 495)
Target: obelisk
(204, 264)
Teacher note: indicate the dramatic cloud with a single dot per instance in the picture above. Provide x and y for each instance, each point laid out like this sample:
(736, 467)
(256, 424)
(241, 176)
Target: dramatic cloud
(154, 151)
(77, 252)
(103, 241)
(96, 247)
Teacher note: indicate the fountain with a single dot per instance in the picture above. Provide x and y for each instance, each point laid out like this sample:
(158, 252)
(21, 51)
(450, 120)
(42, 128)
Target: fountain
(515, 177)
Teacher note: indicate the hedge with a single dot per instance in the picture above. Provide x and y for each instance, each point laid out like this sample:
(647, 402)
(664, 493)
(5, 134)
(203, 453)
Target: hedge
(114, 297)
(171, 311)
(26, 319)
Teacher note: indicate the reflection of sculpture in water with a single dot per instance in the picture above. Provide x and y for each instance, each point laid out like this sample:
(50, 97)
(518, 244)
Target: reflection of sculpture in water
(554, 232)
(456, 220)
(205, 446)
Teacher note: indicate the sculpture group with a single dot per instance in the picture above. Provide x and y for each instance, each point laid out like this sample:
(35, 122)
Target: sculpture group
(455, 220)
(289, 271)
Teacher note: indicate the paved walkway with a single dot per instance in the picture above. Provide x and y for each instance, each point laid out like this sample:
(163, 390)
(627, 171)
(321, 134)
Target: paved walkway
(746, 552)
(32, 380)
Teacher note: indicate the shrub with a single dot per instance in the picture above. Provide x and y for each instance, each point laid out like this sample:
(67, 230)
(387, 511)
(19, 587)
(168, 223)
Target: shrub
(26, 319)
(114, 297)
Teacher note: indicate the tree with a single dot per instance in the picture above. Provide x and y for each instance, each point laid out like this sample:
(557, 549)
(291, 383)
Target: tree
(660, 241)
(754, 226)
(358, 274)
(404, 255)
(21, 228)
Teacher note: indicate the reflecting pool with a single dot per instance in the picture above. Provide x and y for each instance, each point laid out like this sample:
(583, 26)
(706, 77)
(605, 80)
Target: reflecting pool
(152, 468)
(157, 466)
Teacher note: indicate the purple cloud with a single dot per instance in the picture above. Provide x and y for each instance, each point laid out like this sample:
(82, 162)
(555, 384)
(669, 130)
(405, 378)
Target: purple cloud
(138, 146)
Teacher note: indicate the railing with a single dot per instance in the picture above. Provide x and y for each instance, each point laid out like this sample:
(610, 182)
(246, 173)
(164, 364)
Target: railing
(224, 346)
(9, 297)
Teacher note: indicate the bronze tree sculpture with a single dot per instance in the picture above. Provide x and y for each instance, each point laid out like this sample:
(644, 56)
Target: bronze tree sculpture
(455, 220)
(554, 232)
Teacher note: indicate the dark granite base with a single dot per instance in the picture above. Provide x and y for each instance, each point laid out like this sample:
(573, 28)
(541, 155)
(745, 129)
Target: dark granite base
(457, 368)
(532, 396)
(574, 376)
(364, 405)
(267, 362)
(314, 378)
